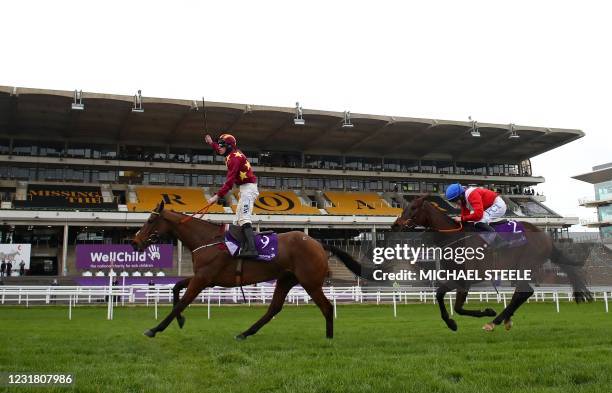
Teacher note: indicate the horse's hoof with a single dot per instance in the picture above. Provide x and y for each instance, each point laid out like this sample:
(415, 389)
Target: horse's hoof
(452, 325)
(149, 333)
(181, 321)
(240, 337)
(508, 324)
(489, 312)
(488, 327)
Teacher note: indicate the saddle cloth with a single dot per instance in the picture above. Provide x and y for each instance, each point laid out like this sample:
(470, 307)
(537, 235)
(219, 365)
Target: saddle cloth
(265, 242)
(513, 232)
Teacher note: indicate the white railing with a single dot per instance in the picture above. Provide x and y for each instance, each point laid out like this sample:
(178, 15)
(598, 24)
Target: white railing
(162, 294)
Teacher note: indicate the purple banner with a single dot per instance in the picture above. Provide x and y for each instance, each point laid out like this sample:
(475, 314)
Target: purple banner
(123, 256)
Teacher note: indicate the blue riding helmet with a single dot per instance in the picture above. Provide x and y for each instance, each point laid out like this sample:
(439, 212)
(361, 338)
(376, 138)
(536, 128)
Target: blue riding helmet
(454, 191)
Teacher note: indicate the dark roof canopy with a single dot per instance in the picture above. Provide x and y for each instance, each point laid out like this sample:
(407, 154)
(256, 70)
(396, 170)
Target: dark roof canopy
(47, 114)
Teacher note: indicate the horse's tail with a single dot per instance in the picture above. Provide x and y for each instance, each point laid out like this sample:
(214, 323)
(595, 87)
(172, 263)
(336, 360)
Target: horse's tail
(346, 258)
(574, 273)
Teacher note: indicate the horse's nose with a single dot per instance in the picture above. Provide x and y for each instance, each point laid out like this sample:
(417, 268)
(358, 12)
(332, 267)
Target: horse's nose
(134, 245)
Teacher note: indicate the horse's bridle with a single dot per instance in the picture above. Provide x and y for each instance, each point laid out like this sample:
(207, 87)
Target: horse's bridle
(405, 223)
(408, 223)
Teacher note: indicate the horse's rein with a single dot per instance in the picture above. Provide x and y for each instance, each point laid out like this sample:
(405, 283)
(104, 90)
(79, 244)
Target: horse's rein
(404, 223)
(453, 229)
(202, 211)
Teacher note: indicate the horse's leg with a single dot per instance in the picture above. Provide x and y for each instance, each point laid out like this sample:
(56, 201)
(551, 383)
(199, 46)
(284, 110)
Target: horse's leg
(196, 284)
(440, 293)
(326, 308)
(460, 301)
(283, 286)
(522, 292)
(176, 291)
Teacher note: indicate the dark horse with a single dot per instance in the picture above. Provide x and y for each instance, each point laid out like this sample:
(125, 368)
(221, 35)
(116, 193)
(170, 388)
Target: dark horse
(301, 259)
(538, 249)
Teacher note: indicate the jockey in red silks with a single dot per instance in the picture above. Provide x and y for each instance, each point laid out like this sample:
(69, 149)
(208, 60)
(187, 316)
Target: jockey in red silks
(239, 172)
(478, 205)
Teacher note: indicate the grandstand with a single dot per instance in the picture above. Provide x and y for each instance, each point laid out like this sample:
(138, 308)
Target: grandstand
(88, 174)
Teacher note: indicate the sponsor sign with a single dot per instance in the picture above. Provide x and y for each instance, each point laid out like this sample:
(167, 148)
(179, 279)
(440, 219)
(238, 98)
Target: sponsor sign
(68, 196)
(123, 256)
(15, 254)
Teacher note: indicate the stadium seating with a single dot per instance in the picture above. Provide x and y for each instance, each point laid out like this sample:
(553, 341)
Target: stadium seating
(532, 208)
(437, 201)
(359, 203)
(177, 199)
(279, 202)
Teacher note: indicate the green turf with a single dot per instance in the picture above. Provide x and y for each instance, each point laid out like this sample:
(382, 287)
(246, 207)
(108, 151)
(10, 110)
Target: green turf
(372, 352)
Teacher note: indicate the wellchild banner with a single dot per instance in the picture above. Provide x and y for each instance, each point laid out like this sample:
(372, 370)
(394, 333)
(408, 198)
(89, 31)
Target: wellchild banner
(123, 256)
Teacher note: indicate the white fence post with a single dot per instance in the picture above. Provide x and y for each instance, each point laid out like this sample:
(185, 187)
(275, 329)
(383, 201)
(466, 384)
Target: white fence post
(394, 306)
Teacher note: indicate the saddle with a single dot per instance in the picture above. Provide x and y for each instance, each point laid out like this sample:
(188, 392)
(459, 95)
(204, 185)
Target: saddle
(236, 232)
(265, 242)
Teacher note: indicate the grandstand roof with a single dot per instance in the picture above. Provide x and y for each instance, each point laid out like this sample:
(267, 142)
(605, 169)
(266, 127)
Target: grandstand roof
(600, 174)
(108, 118)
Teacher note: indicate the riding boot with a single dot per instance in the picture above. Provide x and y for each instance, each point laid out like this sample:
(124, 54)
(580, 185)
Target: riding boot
(248, 249)
(497, 241)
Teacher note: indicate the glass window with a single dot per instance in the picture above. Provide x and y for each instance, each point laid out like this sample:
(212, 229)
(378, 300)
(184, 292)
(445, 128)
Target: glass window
(179, 155)
(51, 149)
(314, 184)
(5, 146)
(52, 174)
(603, 190)
(268, 182)
(252, 156)
(446, 167)
(281, 159)
(363, 163)
(471, 168)
(103, 176)
(336, 184)
(24, 148)
(178, 179)
(202, 156)
(322, 162)
(146, 153)
(526, 168)
(409, 165)
(374, 185)
(78, 151)
(392, 165)
(432, 187)
(411, 186)
(105, 152)
(354, 185)
(202, 180)
(292, 182)
(428, 166)
(154, 178)
(19, 173)
(76, 174)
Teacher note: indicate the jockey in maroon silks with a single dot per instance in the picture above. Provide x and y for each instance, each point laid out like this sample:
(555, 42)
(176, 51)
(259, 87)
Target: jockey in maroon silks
(239, 172)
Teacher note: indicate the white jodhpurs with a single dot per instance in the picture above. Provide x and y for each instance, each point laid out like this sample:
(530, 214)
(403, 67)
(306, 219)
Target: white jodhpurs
(495, 212)
(244, 209)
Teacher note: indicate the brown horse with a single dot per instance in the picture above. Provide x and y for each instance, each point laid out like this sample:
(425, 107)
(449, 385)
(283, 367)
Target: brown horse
(300, 259)
(538, 249)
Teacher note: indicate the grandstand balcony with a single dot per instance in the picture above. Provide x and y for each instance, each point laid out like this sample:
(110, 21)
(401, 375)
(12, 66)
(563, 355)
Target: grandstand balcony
(116, 165)
(590, 202)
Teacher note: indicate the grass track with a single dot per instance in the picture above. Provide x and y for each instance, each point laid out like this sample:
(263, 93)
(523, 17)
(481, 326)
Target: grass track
(372, 352)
